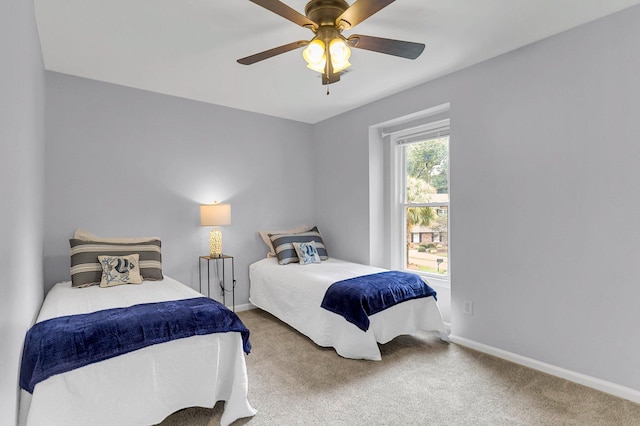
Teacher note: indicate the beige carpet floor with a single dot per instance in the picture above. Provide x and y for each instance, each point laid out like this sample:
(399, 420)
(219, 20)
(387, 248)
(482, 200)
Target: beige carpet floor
(420, 381)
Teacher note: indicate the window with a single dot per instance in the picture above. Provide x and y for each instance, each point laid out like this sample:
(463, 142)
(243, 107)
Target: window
(421, 198)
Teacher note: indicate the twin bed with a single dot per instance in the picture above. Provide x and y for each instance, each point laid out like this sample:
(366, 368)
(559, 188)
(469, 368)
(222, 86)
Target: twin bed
(295, 293)
(144, 386)
(296, 289)
(144, 383)
(123, 344)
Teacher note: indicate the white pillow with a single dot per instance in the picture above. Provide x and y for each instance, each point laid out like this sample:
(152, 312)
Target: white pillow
(84, 235)
(265, 237)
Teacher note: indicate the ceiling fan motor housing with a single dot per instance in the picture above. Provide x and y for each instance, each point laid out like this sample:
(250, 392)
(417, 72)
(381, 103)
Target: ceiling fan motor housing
(325, 12)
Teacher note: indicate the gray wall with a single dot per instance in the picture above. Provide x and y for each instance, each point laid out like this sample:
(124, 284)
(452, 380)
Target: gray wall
(544, 159)
(21, 190)
(543, 148)
(121, 161)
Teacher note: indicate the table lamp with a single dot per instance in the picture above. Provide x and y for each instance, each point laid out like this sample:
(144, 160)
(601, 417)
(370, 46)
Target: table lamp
(215, 215)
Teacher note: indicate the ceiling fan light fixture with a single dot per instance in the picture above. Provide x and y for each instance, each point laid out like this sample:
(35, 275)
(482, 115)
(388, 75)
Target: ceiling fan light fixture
(329, 51)
(340, 54)
(319, 67)
(315, 55)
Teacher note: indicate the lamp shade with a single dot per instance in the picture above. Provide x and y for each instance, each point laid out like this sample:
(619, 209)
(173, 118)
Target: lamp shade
(215, 214)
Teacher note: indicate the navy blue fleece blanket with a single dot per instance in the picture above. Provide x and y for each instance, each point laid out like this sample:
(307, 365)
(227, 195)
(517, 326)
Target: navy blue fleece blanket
(357, 298)
(64, 343)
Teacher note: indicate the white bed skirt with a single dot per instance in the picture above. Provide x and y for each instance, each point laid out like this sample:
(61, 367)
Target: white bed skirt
(145, 386)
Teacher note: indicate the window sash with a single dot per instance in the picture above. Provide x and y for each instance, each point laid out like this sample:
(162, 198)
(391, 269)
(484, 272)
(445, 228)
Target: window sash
(401, 140)
(443, 203)
(399, 137)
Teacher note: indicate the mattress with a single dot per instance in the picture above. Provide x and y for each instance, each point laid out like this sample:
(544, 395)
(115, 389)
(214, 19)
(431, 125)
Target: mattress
(293, 293)
(144, 386)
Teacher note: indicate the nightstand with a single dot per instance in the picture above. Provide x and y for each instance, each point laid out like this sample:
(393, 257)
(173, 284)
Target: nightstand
(221, 280)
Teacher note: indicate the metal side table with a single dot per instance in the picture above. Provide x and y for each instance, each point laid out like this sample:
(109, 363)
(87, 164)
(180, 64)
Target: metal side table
(222, 259)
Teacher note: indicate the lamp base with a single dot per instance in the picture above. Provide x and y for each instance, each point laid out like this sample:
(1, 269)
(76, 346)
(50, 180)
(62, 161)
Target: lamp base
(215, 243)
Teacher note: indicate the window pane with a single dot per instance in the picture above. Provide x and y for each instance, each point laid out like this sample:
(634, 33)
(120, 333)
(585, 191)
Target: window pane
(428, 239)
(426, 171)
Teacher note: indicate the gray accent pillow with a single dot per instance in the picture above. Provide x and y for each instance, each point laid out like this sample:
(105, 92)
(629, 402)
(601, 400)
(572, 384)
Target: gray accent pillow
(265, 237)
(286, 253)
(86, 269)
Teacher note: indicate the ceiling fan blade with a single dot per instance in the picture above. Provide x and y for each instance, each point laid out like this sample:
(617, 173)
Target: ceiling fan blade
(272, 52)
(286, 12)
(359, 11)
(404, 49)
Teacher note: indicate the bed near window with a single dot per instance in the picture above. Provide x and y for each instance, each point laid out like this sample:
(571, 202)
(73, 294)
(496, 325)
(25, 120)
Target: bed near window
(295, 293)
(143, 386)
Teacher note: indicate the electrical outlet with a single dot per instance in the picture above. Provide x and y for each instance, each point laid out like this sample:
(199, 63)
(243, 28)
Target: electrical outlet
(467, 308)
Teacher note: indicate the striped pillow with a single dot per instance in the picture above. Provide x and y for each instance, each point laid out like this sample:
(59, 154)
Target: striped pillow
(86, 269)
(286, 253)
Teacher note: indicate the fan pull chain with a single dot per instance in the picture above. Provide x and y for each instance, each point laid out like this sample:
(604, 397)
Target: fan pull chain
(327, 73)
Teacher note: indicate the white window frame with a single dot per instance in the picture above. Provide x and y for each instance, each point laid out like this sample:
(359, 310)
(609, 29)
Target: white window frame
(397, 196)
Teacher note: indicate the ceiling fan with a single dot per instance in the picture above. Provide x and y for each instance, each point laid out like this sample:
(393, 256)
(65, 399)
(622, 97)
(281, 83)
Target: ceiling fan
(328, 51)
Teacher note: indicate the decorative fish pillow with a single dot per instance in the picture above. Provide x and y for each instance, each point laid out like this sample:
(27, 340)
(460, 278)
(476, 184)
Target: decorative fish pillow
(117, 270)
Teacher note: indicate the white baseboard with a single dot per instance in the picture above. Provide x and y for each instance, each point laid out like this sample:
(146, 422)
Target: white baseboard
(582, 379)
(245, 307)
(573, 376)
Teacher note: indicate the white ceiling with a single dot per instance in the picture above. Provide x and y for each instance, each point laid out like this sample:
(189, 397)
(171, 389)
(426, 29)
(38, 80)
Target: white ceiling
(188, 48)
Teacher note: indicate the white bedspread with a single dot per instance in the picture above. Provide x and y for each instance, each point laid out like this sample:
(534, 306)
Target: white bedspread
(144, 386)
(294, 292)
